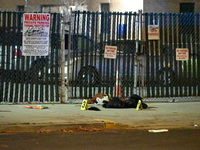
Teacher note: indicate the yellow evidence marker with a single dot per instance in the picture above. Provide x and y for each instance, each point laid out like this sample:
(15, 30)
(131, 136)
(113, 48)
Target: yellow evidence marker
(84, 105)
(139, 105)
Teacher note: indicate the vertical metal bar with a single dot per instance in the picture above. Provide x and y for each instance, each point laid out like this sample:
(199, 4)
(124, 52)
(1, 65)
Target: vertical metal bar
(175, 35)
(83, 86)
(104, 41)
(133, 50)
(12, 57)
(147, 56)
(88, 27)
(57, 47)
(52, 57)
(185, 37)
(162, 32)
(128, 60)
(198, 53)
(152, 60)
(101, 49)
(33, 74)
(194, 57)
(189, 62)
(75, 52)
(9, 52)
(171, 52)
(119, 47)
(140, 25)
(96, 46)
(113, 28)
(5, 86)
(166, 43)
(71, 17)
(11, 19)
(91, 51)
(19, 89)
(125, 47)
(180, 36)
(108, 37)
(1, 62)
(156, 61)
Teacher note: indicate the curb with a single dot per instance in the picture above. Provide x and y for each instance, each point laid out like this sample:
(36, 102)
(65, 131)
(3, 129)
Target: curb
(76, 127)
(60, 127)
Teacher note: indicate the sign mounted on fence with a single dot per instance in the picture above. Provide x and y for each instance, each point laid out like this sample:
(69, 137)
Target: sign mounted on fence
(110, 52)
(36, 28)
(182, 54)
(153, 32)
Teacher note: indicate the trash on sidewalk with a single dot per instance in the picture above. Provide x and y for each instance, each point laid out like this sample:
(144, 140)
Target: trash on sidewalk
(158, 130)
(94, 108)
(40, 107)
(30, 107)
(37, 107)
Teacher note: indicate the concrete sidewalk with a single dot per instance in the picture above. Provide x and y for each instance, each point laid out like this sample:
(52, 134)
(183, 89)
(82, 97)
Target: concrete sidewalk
(65, 117)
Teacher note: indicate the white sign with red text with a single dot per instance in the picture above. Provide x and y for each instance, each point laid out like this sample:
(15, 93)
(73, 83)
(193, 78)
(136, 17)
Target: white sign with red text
(153, 32)
(36, 27)
(182, 54)
(110, 52)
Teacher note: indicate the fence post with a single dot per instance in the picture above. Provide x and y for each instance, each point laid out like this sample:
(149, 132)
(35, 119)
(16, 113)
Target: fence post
(142, 60)
(63, 57)
(69, 51)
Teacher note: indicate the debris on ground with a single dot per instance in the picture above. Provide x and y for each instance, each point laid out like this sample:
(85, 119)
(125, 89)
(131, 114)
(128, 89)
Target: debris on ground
(37, 107)
(30, 107)
(94, 108)
(158, 130)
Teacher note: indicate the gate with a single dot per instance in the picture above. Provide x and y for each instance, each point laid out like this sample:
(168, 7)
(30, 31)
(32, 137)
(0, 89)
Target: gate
(27, 78)
(146, 67)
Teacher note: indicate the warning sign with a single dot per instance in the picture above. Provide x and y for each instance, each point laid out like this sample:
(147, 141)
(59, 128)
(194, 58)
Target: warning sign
(182, 54)
(36, 28)
(153, 32)
(110, 52)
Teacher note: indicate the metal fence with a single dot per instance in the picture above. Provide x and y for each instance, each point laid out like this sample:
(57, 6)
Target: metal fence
(169, 77)
(146, 67)
(27, 78)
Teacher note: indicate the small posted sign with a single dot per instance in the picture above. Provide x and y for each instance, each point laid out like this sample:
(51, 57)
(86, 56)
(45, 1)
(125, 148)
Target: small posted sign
(182, 54)
(110, 52)
(36, 28)
(153, 32)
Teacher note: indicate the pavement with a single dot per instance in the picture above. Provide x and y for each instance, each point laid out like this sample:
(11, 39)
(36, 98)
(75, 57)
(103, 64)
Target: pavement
(69, 117)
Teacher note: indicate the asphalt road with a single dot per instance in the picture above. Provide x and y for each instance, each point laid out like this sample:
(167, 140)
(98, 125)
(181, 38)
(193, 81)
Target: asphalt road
(177, 139)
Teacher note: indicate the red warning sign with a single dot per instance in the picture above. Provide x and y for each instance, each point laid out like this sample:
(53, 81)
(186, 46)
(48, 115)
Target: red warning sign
(182, 54)
(110, 52)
